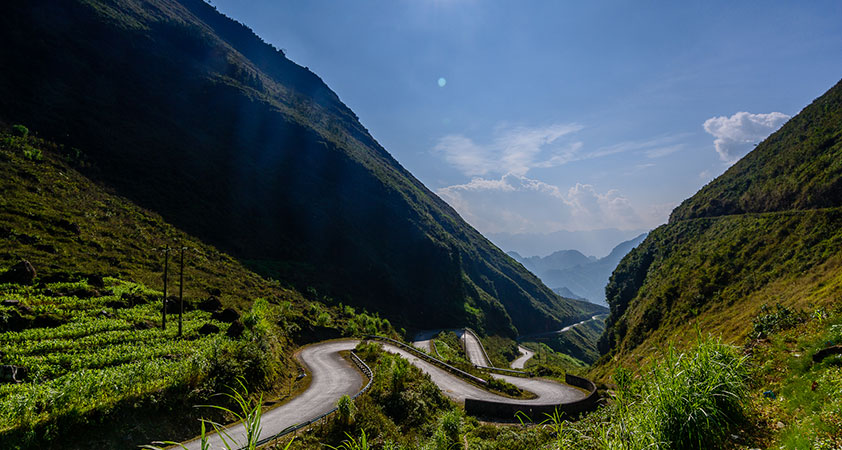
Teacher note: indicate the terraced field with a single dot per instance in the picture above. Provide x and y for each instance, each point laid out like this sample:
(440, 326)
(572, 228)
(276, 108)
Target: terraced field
(95, 349)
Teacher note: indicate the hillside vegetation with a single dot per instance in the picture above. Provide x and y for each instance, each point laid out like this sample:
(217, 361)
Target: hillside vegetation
(86, 329)
(767, 231)
(191, 115)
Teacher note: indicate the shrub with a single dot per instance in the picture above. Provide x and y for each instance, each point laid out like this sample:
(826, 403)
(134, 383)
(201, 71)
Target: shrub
(20, 130)
(774, 320)
(346, 408)
(688, 400)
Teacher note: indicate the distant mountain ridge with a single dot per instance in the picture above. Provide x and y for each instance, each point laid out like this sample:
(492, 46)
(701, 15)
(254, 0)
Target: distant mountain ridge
(190, 114)
(570, 271)
(589, 242)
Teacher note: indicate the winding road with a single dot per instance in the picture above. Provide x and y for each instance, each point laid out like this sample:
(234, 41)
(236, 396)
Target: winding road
(473, 348)
(333, 376)
(525, 355)
(553, 333)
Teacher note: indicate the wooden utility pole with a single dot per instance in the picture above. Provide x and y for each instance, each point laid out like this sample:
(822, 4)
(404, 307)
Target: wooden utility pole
(164, 307)
(181, 291)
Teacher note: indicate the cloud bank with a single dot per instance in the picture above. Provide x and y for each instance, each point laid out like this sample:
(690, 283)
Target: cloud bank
(737, 135)
(518, 204)
(514, 150)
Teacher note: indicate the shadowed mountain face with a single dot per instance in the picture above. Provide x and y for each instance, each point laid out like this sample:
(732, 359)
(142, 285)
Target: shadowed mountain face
(188, 113)
(572, 274)
(766, 231)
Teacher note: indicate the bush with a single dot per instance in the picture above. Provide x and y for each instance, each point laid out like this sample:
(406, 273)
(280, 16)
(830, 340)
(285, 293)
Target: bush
(686, 401)
(774, 320)
(346, 408)
(20, 131)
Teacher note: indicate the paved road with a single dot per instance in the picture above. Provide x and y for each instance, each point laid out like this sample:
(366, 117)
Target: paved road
(525, 354)
(423, 340)
(473, 348)
(333, 377)
(552, 333)
(547, 391)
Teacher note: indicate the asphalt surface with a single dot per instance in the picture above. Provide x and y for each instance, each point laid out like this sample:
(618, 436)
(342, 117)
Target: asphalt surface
(457, 389)
(333, 377)
(424, 340)
(551, 333)
(473, 348)
(525, 354)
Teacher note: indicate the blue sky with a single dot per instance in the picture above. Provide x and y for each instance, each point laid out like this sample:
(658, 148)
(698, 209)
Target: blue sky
(558, 115)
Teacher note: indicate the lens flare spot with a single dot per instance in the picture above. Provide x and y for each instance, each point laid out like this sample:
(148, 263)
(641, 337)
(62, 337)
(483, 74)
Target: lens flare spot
(442, 82)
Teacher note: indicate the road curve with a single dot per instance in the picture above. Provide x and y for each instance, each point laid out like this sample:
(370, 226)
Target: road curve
(457, 389)
(525, 355)
(553, 333)
(332, 377)
(423, 340)
(473, 348)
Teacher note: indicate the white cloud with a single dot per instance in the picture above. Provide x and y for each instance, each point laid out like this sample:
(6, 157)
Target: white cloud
(518, 204)
(512, 150)
(736, 135)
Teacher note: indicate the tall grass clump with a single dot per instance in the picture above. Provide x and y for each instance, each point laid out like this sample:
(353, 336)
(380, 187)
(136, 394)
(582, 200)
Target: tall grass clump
(687, 400)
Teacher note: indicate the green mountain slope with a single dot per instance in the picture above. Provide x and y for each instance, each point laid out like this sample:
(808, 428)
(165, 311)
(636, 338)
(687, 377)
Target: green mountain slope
(189, 114)
(769, 230)
(99, 372)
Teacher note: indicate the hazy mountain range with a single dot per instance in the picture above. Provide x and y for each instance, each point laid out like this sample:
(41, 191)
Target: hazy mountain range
(572, 274)
(589, 242)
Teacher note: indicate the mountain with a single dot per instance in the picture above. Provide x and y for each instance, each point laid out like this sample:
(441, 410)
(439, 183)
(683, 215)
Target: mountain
(562, 259)
(567, 293)
(578, 274)
(767, 231)
(189, 114)
(589, 242)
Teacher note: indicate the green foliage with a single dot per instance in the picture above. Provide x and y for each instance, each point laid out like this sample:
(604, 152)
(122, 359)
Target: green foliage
(771, 320)
(104, 357)
(808, 401)
(797, 167)
(720, 271)
(20, 131)
(346, 409)
(501, 350)
(685, 400)
(207, 72)
(353, 443)
(769, 230)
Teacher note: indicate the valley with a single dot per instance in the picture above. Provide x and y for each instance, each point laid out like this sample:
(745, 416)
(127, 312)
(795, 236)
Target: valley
(203, 246)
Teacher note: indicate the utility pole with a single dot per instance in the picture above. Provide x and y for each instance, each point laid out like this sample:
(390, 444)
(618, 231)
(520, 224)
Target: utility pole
(181, 291)
(164, 307)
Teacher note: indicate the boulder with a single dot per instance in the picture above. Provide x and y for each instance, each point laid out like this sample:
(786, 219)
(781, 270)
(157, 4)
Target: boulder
(211, 304)
(825, 352)
(227, 315)
(235, 330)
(173, 305)
(20, 273)
(208, 328)
(13, 321)
(96, 281)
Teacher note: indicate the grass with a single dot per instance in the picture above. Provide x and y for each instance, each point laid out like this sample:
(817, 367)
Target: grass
(804, 409)
(104, 356)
